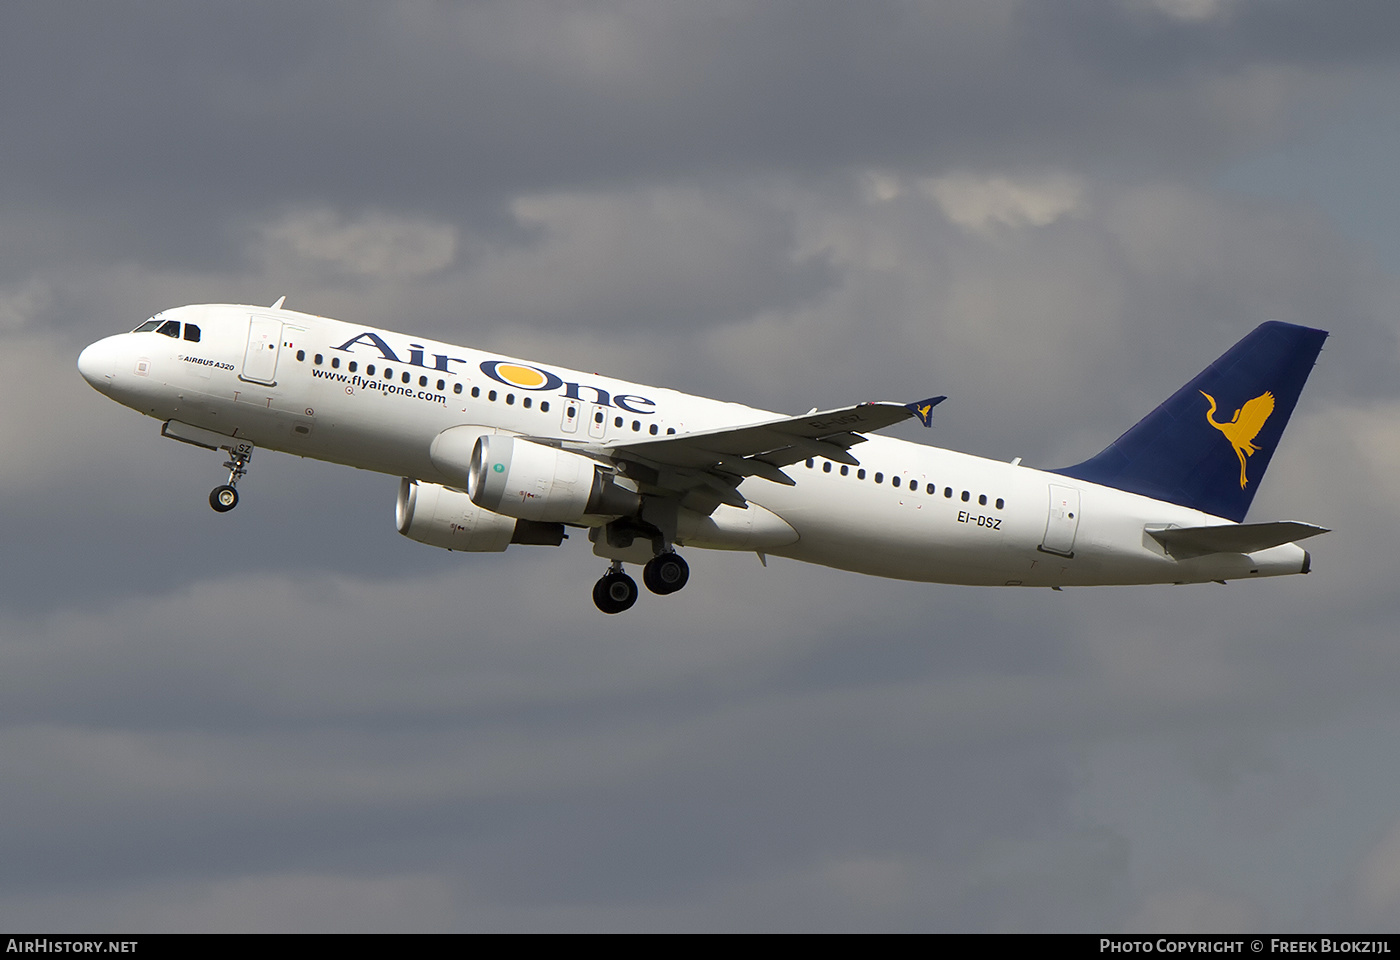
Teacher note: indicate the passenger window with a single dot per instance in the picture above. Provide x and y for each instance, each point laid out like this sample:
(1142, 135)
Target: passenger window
(860, 474)
(845, 470)
(335, 363)
(826, 467)
(573, 412)
(408, 376)
(654, 430)
(1000, 503)
(810, 464)
(894, 481)
(316, 359)
(422, 381)
(931, 490)
(388, 373)
(457, 388)
(948, 492)
(369, 369)
(544, 407)
(982, 499)
(191, 333)
(879, 477)
(354, 366)
(670, 430)
(442, 385)
(617, 421)
(301, 355)
(525, 403)
(636, 426)
(171, 328)
(510, 399)
(476, 391)
(966, 496)
(598, 417)
(491, 395)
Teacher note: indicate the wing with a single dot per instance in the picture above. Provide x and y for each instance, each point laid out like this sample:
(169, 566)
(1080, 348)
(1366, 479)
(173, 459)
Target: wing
(705, 468)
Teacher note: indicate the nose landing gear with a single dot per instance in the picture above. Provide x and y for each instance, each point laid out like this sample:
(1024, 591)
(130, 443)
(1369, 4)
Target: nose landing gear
(224, 497)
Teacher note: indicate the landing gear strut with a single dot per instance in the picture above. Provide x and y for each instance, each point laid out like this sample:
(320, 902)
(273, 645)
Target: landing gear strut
(616, 591)
(224, 498)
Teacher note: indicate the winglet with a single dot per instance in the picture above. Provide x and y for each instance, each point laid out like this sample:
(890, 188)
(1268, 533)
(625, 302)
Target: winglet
(923, 409)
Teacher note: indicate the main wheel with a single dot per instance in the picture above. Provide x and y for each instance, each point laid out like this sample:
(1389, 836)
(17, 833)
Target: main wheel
(223, 499)
(615, 592)
(665, 573)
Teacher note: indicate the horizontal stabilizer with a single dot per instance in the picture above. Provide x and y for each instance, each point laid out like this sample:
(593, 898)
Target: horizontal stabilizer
(1186, 542)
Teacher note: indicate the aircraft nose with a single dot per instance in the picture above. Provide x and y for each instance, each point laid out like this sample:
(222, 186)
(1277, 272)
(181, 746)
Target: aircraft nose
(98, 363)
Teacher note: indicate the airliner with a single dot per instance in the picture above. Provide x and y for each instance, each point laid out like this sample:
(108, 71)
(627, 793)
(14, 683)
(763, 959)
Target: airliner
(493, 451)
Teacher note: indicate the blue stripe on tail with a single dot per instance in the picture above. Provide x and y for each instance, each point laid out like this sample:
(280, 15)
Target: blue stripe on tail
(1208, 446)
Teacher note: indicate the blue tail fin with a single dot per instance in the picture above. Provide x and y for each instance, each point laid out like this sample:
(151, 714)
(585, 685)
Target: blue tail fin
(1191, 450)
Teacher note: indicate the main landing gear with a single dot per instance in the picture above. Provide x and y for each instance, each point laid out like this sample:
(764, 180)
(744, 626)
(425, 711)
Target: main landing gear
(616, 591)
(224, 497)
(664, 573)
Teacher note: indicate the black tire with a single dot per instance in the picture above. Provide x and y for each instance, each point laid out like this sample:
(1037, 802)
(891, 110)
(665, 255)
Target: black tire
(615, 592)
(665, 573)
(223, 499)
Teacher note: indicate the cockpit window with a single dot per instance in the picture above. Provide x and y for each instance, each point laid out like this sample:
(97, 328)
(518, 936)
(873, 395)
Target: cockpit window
(171, 328)
(191, 333)
(148, 325)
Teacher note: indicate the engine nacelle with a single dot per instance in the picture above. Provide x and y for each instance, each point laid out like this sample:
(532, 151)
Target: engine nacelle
(442, 517)
(519, 478)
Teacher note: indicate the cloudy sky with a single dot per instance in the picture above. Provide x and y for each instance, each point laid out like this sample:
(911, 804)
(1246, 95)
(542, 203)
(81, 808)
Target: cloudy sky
(1053, 211)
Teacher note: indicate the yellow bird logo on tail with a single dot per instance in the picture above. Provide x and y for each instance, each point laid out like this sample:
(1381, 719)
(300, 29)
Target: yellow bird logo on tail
(1243, 427)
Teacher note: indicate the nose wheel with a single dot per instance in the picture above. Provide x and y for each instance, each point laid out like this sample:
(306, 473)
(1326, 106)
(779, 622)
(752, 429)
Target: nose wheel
(224, 497)
(616, 591)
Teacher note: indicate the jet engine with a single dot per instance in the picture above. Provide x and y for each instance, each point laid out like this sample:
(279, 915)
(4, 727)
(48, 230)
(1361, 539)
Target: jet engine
(442, 517)
(519, 478)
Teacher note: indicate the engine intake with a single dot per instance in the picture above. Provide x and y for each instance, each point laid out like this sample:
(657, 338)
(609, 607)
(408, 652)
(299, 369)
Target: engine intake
(519, 478)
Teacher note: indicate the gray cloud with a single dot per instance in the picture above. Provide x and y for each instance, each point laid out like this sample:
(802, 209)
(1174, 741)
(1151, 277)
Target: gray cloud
(194, 117)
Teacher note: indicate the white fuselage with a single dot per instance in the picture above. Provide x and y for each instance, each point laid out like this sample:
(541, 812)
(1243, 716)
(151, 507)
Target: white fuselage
(376, 400)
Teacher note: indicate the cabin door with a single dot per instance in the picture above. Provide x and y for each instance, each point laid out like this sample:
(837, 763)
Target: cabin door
(1063, 523)
(260, 359)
